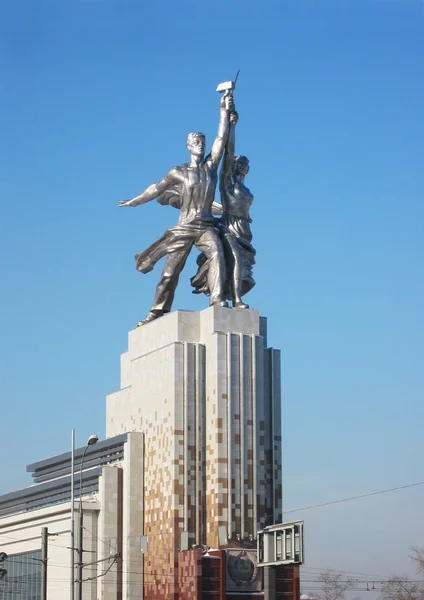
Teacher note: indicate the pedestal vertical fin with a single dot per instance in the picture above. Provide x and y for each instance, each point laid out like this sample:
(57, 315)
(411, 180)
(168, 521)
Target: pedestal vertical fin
(229, 439)
(242, 438)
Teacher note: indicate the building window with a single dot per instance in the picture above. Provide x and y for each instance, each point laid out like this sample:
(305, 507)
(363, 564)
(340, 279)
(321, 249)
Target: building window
(23, 579)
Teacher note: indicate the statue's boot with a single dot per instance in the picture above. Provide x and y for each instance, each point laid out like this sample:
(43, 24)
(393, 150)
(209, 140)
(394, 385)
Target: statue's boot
(153, 314)
(240, 304)
(223, 303)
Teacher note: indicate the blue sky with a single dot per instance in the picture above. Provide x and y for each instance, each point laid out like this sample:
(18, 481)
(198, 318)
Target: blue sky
(96, 101)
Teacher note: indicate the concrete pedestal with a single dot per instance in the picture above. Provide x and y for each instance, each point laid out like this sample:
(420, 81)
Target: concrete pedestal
(204, 390)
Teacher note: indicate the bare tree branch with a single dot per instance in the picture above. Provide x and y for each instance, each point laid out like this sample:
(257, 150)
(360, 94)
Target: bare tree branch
(399, 587)
(334, 585)
(418, 557)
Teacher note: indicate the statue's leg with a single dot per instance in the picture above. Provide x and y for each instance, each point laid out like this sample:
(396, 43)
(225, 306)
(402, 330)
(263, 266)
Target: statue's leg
(233, 256)
(210, 243)
(165, 290)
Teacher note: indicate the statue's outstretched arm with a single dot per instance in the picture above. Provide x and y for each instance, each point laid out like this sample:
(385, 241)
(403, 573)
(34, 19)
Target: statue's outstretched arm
(153, 191)
(226, 106)
(227, 164)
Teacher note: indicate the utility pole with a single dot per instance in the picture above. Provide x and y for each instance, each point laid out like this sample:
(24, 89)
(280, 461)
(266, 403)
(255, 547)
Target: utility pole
(44, 541)
(72, 515)
(93, 439)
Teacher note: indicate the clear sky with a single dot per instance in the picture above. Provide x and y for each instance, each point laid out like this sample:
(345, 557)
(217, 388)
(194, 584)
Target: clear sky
(97, 98)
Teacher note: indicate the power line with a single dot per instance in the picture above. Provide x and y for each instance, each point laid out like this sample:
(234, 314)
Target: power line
(401, 487)
(96, 537)
(28, 541)
(343, 571)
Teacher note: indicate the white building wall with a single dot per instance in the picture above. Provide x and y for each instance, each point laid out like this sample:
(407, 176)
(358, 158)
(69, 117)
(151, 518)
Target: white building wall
(22, 533)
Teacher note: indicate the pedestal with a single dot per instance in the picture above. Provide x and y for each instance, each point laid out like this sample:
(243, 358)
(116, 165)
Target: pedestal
(204, 390)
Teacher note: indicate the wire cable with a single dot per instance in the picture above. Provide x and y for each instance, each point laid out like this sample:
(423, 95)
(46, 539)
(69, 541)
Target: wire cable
(401, 487)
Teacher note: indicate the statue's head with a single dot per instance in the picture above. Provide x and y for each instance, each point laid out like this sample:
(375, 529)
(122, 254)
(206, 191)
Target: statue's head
(196, 143)
(240, 165)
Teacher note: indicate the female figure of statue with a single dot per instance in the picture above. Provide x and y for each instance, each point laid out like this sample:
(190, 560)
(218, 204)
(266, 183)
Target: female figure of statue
(234, 227)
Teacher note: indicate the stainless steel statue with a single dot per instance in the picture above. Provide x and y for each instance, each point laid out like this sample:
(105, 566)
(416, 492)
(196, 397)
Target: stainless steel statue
(226, 253)
(234, 227)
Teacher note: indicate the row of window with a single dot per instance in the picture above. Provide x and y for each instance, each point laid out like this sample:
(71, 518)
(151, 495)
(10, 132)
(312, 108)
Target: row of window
(22, 580)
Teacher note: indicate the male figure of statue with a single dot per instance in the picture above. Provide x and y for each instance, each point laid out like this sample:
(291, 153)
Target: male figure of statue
(191, 187)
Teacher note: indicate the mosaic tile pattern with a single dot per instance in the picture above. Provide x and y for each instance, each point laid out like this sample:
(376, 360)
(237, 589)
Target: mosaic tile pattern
(203, 391)
(190, 575)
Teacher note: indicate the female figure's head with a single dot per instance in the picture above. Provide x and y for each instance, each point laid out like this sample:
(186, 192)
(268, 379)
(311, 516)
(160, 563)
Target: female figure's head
(240, 165)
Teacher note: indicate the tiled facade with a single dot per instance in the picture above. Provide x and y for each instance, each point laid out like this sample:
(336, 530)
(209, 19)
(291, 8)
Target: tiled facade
(204, 390)
(190, 575)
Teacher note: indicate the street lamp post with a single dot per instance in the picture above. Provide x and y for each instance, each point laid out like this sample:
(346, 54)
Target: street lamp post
(93, 439)
(72, 515)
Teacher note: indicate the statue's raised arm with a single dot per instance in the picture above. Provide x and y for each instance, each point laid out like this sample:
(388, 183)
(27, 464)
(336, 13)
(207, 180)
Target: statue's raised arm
(226, 106)
(226, 173)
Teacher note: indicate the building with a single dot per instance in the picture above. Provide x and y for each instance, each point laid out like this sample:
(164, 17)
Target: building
(189, 471)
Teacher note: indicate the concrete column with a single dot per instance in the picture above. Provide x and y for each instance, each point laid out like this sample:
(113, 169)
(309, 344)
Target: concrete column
(110, 534)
